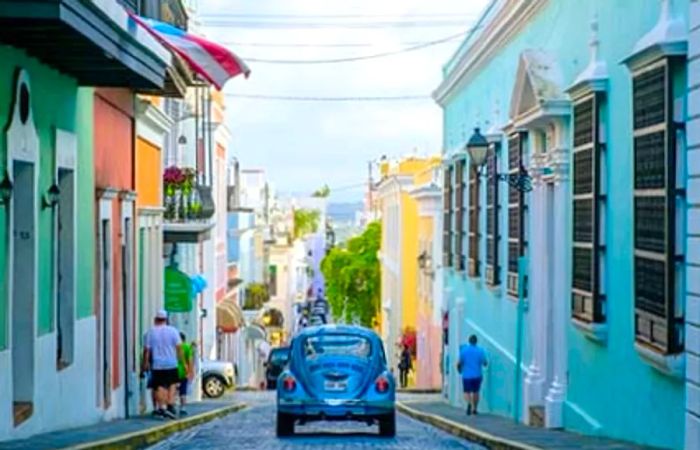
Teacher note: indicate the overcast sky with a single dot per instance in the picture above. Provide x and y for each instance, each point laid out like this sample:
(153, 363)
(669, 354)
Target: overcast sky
(303, 145)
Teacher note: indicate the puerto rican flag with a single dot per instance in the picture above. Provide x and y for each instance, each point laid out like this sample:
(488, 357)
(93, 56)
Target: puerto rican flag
(213, 62)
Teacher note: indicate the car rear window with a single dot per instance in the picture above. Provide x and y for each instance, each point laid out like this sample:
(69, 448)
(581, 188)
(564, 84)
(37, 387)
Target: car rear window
(337, 345)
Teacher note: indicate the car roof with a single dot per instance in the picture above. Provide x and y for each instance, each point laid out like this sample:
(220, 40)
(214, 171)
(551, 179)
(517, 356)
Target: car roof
(338, 329)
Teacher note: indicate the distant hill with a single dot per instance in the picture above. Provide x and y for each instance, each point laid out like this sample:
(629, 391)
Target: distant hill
(343, 212)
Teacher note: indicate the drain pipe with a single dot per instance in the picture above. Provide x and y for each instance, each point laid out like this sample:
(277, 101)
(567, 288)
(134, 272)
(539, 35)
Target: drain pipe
(522, 308)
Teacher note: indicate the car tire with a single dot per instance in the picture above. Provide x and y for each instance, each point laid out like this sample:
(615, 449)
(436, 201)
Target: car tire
(285, 424)
(387, 425)
(213, 386)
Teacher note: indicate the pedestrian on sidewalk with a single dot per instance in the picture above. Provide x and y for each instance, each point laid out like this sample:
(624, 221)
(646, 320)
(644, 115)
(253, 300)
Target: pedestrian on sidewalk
(185, 370)
(405, 366)
(163, 344)
(472, 359)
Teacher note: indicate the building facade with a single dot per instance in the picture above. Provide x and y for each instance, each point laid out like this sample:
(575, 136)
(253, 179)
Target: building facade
(579, 281)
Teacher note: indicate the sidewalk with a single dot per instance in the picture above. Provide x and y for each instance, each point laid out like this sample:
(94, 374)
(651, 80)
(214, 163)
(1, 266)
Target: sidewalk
(132, 433)
(497, 432)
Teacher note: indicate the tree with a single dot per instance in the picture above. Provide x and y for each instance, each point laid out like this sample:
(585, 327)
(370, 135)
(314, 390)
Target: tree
(353, 279)
(323, 192)
(256, 295)
(306, 221)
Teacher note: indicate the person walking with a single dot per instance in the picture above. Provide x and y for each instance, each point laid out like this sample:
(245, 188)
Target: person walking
(164, 346)
(185, 370)
(405, 366)
(472, 359)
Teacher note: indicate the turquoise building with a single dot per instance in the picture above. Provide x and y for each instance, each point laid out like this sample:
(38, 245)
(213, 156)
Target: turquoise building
(579, 288)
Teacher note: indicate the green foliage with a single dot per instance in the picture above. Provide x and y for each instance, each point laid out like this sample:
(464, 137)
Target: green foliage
(306, 221)
(353, 279)
(323, 192)
(256, 295)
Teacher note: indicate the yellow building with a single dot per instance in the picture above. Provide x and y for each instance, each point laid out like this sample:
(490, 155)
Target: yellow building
(400, 249)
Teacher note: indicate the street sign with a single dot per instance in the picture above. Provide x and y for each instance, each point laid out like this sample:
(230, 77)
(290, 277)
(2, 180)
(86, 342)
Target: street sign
(177, 291)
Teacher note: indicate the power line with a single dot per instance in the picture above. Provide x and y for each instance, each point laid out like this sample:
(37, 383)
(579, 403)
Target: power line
(333, 16)
(330, 99)
(310, 45)
(358, 58)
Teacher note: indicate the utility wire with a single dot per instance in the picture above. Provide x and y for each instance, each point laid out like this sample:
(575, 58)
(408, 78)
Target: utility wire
(333, 16)
(293, 98)
(358, 58)
(309, 45)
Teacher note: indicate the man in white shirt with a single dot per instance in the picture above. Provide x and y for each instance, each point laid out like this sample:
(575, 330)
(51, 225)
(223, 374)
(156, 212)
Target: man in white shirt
(161, 352)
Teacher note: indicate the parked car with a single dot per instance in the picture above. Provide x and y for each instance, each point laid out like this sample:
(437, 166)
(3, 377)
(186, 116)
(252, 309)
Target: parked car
(217, 376)
(274, 366)
(336, 372)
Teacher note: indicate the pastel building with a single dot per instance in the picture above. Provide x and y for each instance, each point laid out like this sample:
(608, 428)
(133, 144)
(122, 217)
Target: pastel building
(582, 289)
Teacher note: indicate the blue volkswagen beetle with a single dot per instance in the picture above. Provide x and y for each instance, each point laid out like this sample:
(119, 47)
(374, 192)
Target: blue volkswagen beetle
(336, 372)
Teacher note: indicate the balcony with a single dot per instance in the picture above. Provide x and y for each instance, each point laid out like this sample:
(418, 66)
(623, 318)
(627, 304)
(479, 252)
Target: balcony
(188, 206)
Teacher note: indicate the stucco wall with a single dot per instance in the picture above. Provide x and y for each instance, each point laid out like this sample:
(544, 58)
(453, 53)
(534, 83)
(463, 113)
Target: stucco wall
(615, 369)
(148, 172)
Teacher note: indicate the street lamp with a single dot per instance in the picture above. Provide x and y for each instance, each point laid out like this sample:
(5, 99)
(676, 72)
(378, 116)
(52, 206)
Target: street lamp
(5, 189)
(478, 149)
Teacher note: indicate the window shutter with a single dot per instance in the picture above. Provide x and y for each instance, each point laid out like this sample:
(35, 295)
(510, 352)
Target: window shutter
(656, 324)
(492, 212)
(586, 298)
(474, 232)
(516, 209)
(459, 216)
(447, 218)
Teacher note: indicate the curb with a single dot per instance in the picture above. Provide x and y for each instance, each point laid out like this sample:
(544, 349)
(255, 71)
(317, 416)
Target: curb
(463, 431)
(419, 391)
(140, 439)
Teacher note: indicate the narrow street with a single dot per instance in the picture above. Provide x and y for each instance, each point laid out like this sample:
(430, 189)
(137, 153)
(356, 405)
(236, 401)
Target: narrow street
(254, 428)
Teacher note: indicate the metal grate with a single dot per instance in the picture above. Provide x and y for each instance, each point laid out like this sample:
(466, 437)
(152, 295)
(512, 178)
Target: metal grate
(583, 123)
(583, 220)
(514, 222)
(650, 224)
(650, 286)
(583, 172)
(650, 161)
(650, 98)
(513, 254)
(583, 269)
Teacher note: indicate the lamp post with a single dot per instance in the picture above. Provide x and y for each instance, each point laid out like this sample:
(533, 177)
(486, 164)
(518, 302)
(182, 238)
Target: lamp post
(478, 149)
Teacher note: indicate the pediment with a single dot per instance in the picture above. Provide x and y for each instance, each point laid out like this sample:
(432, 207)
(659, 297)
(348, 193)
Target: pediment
(538, 81)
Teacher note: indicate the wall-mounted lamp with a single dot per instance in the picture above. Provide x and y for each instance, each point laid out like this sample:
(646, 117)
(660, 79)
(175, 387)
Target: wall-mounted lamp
(478, 149)
(5, 189)
(50, 199)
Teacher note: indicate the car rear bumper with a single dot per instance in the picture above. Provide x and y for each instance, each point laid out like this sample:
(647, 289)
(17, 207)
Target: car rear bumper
(336, 409)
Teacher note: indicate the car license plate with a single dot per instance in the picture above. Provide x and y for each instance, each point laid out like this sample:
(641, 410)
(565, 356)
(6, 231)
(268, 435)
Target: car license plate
(335, 385)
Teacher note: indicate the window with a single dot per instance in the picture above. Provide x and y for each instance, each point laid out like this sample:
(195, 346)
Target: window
(65, 269)
(516, 210)
(492, 213)
(447, 218)
(337, 345)
(459, 262)
(658, 324)
(273, 280)
(474, 235)
(587, 301)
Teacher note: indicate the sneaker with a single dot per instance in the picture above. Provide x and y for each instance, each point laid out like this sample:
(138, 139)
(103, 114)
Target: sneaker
(158, 413)
(183, 412)
(475, 412)
(169, 414)
(469, 410)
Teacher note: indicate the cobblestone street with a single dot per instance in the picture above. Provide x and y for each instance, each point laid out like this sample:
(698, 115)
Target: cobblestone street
(254, 428)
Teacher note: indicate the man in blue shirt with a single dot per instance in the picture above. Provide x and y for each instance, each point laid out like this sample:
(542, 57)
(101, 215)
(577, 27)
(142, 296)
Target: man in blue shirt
(472, 359)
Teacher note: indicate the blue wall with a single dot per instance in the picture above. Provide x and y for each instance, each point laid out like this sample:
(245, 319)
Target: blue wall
(607, 383)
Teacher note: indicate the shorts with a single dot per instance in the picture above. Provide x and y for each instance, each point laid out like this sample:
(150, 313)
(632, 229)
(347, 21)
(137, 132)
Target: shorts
(149, 380)
(183, 387)
(471, 385)
(164, 378)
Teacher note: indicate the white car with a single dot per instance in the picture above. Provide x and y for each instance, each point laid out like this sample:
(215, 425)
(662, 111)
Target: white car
(217, 376)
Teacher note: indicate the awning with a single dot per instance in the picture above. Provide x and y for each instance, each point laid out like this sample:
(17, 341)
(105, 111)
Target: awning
(95, 42)
(229, 317)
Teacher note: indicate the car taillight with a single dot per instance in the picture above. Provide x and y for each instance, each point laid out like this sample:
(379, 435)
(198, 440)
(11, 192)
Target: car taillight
(289, 383)
(382, 384)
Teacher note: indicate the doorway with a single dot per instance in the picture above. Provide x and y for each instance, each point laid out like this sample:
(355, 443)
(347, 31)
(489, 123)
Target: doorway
(23, 290)
(106, 316)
